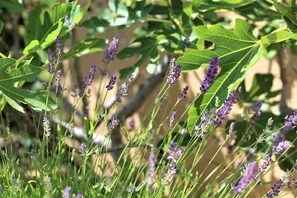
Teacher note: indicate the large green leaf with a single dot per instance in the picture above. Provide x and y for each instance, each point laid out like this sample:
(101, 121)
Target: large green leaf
(9, 78)
(237, 50)
(46, 24)
(85, 47)
(205, 5)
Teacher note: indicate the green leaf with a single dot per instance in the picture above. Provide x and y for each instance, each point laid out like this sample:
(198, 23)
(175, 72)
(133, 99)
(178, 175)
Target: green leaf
(206, 5)
(144, 47)
(288, 15)
(262, 83)
(45, 24)
(1, 26)
(33, 46)
(11, 5)
(85, 47)
(11, 75)
(278, 36)
(237, 50)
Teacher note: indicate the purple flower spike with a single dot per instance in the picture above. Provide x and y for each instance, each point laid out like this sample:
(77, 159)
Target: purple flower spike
(66, 192)
(59, 47)
(225, 110)
(151, 169)
(58, 78)
(89, 79)
(246, 179)
(210, 75)
(111, 51)
(172, 117)
(173, 72)
(173, 153)
(281, 147)
(52, 62)
(265, 164)
(291, 121)
(79, 196)
(275, 189)
(184, 94)
(113, 122)
(111, 82)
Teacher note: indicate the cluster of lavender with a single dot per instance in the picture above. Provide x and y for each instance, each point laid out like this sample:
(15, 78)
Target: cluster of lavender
(174, 154)
(66, 193)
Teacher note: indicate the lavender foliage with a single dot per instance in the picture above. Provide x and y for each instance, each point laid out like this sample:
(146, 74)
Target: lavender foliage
(210, 74)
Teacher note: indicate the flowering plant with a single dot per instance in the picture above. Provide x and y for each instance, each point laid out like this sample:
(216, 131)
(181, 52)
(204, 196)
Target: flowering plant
(74, 130)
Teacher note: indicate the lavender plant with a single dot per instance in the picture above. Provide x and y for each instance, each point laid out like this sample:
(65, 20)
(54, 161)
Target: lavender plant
(213, 139)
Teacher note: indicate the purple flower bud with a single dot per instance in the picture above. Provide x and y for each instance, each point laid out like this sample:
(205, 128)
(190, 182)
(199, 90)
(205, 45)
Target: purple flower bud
(151, 169)
(275, 189)
(281, 147)
(123, 91)
(58, 78)
(172, 117)
(88, 81)
(291, 121)
(111, 51)
(111, 82)
(131, 125)
(79, 196)
(113, 122)
(225, 110)
(183, 94)
(265, 164)
(52, 62)
(173, 72)
(210, 74)
(82, 149)
(59, 46)
(246, 178)
(173, 153)
(66, 192)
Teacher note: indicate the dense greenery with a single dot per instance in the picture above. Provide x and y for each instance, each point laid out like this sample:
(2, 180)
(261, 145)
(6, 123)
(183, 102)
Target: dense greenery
(46, 153)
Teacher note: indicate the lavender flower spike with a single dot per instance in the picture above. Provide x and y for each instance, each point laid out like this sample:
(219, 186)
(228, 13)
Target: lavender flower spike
(291, 121)
(111, 51)
(58, 78)
(89, 79)
(210, 75)
(173, 153)
(246, 179)
(111, 82)
(66, 192)
(225, 110)
(275, 189)
(281, 147)
(151, 169)
(172, 117)
(52, 62)
(59, 47)
(173, 72)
